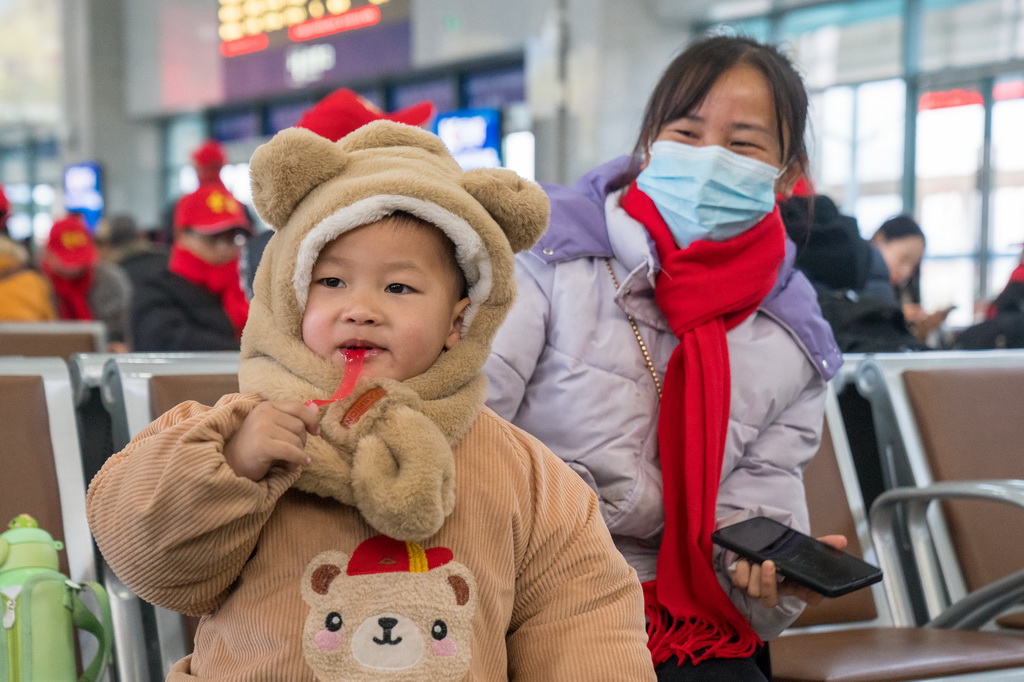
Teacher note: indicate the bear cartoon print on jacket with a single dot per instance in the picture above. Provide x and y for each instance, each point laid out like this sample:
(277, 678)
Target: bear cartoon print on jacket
(393, 611)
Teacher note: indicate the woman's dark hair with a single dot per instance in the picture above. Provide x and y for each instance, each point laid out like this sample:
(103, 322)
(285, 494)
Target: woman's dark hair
(899, 227)
(691, 75)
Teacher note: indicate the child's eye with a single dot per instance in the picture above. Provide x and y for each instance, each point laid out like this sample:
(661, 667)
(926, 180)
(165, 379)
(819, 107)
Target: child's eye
(398, 288)
(330, 282)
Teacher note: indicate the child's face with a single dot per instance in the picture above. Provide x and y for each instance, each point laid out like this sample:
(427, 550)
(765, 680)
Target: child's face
(390, 288)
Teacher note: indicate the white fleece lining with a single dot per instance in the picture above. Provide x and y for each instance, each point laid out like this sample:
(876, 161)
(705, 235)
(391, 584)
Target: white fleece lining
(469, 247)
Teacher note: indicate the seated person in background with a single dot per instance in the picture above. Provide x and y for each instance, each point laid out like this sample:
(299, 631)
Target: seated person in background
(830, 249)
(122, 242)
(86, 287)
(196, 303)
(288, 525)
(1005, 328)
(849, 274)
(901, 242)
(25, 294)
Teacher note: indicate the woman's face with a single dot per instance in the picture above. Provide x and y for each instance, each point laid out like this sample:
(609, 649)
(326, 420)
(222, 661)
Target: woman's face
(739, 115)
(902, 256)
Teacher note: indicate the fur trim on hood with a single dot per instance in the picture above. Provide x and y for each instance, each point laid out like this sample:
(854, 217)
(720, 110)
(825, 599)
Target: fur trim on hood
(394, 460)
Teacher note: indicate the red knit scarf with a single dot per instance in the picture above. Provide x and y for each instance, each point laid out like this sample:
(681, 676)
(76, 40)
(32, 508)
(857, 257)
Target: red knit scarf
(222, 280)
(72, 293)
(703, 290)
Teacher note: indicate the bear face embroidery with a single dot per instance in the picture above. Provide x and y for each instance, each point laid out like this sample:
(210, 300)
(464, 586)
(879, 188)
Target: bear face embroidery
(390, 612)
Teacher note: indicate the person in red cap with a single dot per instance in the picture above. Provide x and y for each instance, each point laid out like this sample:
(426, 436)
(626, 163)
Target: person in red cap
(197, 303)
(334, 117)
(87, 288)
(5, 209)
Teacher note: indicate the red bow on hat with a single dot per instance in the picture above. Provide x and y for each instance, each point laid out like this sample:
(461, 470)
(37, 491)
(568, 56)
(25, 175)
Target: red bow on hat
(342, 111)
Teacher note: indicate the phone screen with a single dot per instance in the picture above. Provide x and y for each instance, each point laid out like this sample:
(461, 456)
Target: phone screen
(806, 560)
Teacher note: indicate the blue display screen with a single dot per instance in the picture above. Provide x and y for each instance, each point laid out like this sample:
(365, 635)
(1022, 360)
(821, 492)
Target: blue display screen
(473, 136)
(83, 191)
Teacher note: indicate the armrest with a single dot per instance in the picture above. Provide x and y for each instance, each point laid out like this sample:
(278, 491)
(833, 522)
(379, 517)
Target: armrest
(130, 651)
(982, 605)
(912, 505)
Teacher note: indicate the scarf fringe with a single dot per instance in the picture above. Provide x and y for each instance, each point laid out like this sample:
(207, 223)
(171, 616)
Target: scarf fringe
(694, 638)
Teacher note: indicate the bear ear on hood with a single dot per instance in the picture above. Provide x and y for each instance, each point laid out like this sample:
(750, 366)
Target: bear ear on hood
(286, 169)
(519, 206)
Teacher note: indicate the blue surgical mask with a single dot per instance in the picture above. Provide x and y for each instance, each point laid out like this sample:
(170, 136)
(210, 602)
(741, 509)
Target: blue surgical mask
(707, 192)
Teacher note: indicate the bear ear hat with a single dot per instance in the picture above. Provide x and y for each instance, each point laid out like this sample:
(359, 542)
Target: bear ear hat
(286, 169)
(519, 206)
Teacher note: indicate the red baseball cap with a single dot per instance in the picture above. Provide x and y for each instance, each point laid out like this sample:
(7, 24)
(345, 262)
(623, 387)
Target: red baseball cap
(5, 205)
(381, 554)
(71, 243)
(343, 111)
(210, 153)
(209, 210)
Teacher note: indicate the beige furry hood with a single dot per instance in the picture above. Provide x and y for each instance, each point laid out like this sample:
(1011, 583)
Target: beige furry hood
(387, 448)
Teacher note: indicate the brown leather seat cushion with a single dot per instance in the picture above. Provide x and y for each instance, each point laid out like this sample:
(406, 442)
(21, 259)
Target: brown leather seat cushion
(26, 457)
(166, 391)
(829, 512)
(62, 345)
(891, 654)
(971, 427)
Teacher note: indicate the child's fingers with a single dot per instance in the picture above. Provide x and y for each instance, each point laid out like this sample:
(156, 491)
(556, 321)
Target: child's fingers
(308, 414)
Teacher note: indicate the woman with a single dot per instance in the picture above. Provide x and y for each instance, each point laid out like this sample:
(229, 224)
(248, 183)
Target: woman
(665, 287)
(901, 242)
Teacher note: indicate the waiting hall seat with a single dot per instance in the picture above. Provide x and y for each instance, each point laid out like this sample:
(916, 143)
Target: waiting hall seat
(854, 638)
(136, 388)
(139, 387)
(60, 338)
(950, 428)
(41, 462)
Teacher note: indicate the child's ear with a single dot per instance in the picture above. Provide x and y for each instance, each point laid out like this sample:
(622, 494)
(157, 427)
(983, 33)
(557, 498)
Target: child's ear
(519, 206)
(286, 169)
(458, 319)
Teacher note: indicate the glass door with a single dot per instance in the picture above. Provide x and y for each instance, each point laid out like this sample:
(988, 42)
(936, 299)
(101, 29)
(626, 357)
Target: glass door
(949, 170)
(969, 193)
(1006, 232)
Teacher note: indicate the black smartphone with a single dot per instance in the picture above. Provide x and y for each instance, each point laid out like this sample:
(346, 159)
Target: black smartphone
(801, 558)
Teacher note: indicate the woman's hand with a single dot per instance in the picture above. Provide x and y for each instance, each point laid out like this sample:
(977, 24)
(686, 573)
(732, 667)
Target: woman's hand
(759, 580)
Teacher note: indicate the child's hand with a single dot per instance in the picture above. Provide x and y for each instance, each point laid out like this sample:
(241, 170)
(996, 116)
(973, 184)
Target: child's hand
(274, 432)
(759, 580)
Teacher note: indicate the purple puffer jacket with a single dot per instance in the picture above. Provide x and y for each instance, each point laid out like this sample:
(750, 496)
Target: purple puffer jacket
(567, 367)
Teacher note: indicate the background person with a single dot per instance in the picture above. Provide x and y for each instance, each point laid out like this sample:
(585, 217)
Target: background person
(684, 381)
(122, 242)
(901, 241)
(87, 288)
(196, 303)
(25, 294)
